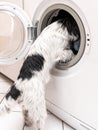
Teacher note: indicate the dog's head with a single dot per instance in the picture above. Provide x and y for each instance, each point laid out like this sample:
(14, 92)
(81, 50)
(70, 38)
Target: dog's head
(67, 21)
(72, 28)
(62, 33)
(73, 31)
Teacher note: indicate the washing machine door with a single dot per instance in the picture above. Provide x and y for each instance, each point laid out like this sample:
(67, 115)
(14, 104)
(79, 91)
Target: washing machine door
(15, 33)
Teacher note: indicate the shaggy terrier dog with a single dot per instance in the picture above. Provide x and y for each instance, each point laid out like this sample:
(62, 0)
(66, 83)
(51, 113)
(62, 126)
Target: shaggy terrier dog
(29, 89)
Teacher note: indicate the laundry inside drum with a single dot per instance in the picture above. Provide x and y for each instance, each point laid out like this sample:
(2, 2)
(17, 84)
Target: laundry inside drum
(75, 46)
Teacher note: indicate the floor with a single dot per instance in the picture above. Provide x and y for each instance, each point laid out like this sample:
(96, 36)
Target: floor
(52, 123)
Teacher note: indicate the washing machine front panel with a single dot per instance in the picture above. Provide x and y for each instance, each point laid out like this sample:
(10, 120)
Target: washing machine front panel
(90, 13)
(73, 91)
(69, 91)
(30, 7)
(15, 37)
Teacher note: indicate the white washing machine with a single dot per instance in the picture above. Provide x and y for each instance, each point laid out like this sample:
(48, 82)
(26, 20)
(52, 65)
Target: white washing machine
(72, 92)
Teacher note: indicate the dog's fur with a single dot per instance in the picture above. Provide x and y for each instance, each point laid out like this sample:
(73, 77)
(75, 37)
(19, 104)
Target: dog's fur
(28, 91)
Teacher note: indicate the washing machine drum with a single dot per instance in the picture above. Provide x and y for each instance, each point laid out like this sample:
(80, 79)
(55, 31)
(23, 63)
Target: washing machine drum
(14, 29)
(51, 11)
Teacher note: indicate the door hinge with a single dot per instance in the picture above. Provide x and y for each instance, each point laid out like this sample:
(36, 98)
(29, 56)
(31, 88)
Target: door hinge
(32, 33)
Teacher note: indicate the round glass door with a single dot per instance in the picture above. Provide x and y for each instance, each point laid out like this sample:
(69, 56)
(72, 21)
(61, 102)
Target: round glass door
(15, 33)
(11, 34)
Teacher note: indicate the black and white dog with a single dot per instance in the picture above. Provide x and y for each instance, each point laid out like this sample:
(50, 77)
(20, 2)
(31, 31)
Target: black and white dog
(29, 89)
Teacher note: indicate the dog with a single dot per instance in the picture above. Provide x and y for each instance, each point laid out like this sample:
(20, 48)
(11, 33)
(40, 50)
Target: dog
(28, 90)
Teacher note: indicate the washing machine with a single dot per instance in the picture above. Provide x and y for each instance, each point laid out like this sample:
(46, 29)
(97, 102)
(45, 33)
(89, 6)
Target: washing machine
(71, 93)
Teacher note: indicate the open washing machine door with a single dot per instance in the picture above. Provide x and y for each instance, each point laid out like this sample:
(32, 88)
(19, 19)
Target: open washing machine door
(15, 38)
(46, 13)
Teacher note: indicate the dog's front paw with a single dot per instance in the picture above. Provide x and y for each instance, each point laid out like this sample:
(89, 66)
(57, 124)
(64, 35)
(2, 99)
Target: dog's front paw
(27, 120)
(69, 55)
